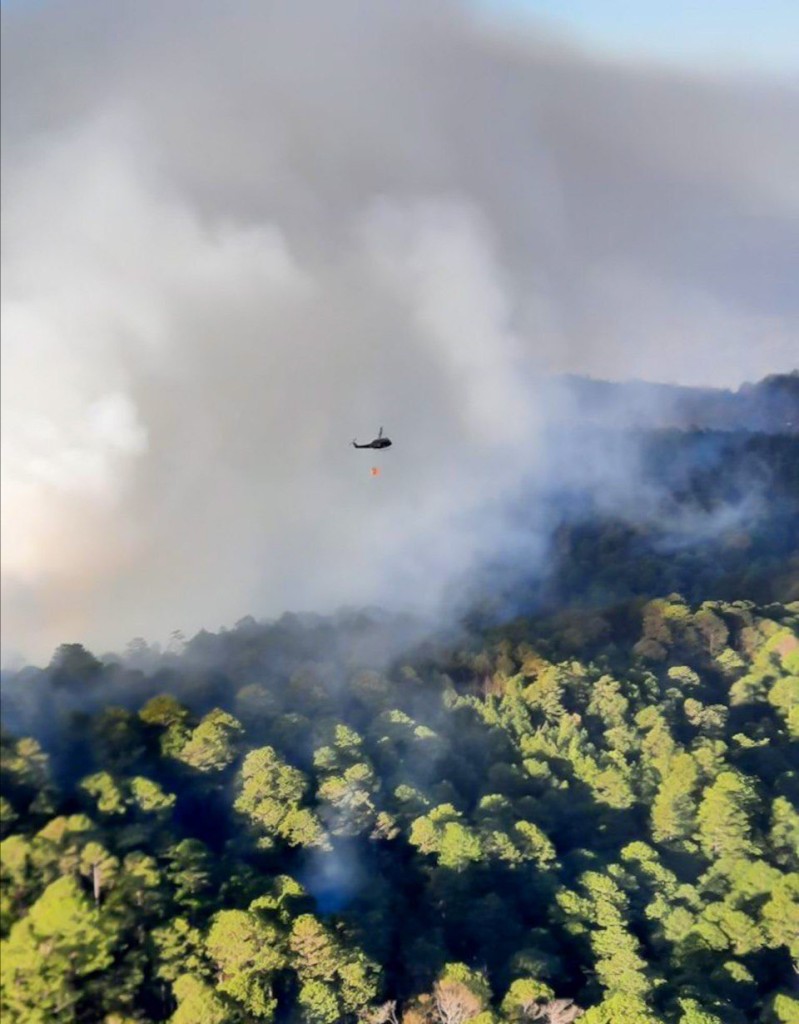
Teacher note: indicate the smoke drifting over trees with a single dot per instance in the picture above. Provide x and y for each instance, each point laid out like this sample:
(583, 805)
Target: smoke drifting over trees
(234, 240)
(589, 815)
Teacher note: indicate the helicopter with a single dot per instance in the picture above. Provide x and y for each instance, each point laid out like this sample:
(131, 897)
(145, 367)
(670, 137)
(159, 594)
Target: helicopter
(379, 442)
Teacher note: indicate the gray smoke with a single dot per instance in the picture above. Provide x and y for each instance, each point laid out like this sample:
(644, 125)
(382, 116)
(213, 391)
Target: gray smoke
(236, 237)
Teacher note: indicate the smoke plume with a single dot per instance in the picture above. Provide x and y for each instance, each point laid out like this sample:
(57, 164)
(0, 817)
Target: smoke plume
(236, 238)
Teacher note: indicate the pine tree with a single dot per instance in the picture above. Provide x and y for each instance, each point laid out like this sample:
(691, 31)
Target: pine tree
(724, 823)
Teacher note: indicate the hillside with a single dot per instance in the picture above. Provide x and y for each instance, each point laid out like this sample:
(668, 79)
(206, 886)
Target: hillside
(770, 406)
(577, 798)
(589, 808)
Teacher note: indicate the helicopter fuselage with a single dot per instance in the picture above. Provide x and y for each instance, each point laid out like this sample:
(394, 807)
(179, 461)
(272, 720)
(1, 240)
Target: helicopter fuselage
(379, 442)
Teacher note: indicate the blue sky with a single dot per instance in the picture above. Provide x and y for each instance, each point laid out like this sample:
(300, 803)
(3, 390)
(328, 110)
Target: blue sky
(761, 35)
(755, 34)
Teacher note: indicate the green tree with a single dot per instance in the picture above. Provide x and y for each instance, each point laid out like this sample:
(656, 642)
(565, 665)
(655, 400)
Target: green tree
(318, 1003)
(780, 914)
(350, 796)
(724, 817)
(313, 948)
(169, 720)
(524, 998)
(24, 779)
(443, 832)
(198, 1003)
(211, 746)
(179, 949)
(20, 883)
(534, 844)
(106, 793)
(148, 797)
(621, 1009)
(248, 952)
(51, 954)
(270, 794)
(189, 870)
(605, 909)
(330, 971)
(693, 1013)
(782, 1008)
(783, 837)
(674, 807)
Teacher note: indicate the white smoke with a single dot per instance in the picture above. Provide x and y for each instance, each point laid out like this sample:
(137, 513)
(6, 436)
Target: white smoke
(232, 242)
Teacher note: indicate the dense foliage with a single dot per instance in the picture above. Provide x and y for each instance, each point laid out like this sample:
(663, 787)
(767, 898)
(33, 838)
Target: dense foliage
(592, 812)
